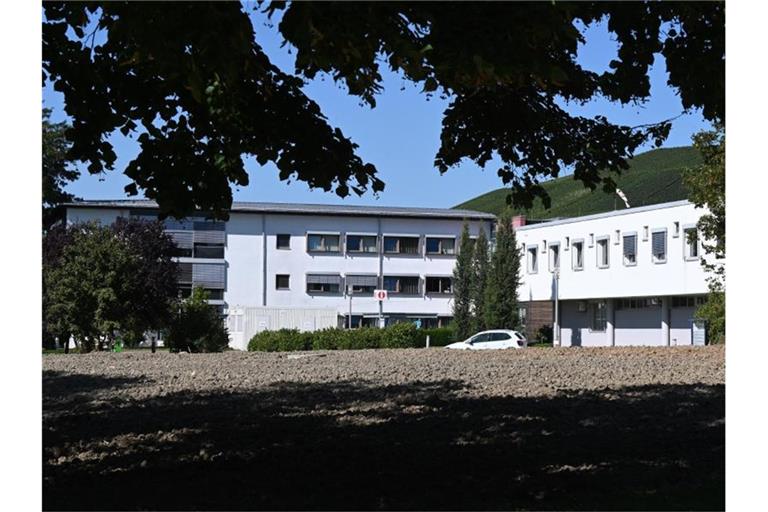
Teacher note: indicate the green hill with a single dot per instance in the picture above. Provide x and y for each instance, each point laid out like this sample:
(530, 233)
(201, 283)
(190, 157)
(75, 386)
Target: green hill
(653, 177)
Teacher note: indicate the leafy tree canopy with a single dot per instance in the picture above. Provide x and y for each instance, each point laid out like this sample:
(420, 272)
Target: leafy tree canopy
(57, 171)
(191, 80)
(101, 279)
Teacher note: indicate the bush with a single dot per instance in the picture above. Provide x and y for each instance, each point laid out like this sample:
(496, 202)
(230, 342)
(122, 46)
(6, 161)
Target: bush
(402, 335)
(544, 334)
(196, 326)
(284, 340)
(438, 337)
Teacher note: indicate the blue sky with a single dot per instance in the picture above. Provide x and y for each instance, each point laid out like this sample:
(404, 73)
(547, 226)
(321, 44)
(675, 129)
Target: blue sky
(401, 135)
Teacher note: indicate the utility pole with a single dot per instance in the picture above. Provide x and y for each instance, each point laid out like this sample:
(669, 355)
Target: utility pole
(350, 290)
(556, 326)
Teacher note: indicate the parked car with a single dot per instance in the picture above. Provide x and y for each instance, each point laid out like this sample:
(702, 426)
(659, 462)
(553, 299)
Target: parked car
(495, 339)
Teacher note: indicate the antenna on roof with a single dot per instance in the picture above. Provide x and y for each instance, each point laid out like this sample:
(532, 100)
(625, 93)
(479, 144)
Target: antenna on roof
(623, 197)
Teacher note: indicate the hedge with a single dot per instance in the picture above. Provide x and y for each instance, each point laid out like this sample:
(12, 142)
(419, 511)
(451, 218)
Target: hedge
(402, 335)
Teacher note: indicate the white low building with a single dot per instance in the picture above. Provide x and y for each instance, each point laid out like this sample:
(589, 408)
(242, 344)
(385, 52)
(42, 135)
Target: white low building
(627, 277)
(290, 265)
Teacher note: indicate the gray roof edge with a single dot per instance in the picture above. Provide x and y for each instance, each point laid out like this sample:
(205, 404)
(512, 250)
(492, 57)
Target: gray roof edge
(616, 213)
(303, 209)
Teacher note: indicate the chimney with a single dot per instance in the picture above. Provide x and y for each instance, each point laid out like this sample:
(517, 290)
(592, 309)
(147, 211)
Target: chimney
(518, 220)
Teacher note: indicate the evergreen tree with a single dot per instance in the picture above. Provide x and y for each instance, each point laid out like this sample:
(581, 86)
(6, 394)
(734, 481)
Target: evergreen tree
(503, 278)
(479, 282)
(462, 286)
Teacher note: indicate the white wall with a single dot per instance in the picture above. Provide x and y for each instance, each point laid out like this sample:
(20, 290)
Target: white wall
(680, 326)
(675, 277)
(244, 256)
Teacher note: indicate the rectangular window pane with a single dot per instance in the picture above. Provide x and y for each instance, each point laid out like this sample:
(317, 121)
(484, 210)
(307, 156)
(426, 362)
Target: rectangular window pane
(283, 241)
(390, 284)
(630, 249)
(578, 255)
(314, 242)
(209, 251)
(354, 243)
(283, 282)
(433, 245)
(659, 245)
(390, 244)
(602, 253)
(409, 245)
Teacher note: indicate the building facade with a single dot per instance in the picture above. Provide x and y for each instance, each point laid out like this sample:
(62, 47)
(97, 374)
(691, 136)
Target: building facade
(628, 277)
(306, 261)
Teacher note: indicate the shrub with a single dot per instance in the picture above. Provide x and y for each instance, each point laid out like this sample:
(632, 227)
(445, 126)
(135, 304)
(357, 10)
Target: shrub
(196, 326)
(544, 334)
(328, 339)
(438, 337)
(402, 335)
(284, 340)
(366, 337)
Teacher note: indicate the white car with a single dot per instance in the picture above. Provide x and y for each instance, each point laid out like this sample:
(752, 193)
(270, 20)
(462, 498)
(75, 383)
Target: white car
(496, 339)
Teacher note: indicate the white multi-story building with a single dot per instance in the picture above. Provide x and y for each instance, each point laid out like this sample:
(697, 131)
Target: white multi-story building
(627, 277)
(294, 265)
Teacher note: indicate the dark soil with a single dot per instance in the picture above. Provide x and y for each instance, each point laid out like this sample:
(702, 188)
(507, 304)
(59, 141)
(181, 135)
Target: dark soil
(617, 429)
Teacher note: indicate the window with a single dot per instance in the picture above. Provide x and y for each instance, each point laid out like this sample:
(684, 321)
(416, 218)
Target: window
(598, 319)
(637, 303)
(645, 233)
(323, 283)
(676, 230)
(438, 285)
(602, 252)
(591, 239)
(499, 336)
(533, 259)
(567, 243)
(630, 249)
(209, 251)
(481, 338)
(401, 244)
(441, 245)
(659, 245)
(283, 241)
(578, 255)
(182, 252)
(322, 243)
(362, 244)
(362, 283)
(554, 257)
(691, 241)
(522, 313)
(282, 282)
(407, 285)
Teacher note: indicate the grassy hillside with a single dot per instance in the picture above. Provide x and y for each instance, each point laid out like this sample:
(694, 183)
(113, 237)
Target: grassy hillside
(653, 177)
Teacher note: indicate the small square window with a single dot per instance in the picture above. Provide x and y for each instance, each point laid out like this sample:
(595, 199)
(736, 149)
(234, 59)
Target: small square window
(282, 282)
(283, 241)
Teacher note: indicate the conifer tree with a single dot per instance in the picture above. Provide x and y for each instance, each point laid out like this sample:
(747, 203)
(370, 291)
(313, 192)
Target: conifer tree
(503, 278)
(479, 282)
(462, 286)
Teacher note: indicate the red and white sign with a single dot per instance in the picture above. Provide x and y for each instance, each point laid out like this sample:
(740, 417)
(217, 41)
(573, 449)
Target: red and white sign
(380, 294)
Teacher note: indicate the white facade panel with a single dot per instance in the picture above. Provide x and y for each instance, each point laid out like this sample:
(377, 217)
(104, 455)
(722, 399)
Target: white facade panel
(253, 260)
(646, 278)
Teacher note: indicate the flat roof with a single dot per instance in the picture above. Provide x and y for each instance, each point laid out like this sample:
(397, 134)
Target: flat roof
(615, 213)
(304, 209)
